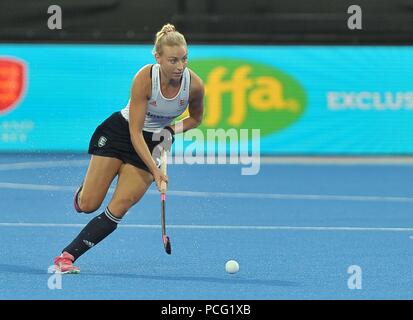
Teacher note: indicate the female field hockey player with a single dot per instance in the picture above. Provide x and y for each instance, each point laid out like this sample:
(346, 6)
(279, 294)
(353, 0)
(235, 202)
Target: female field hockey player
(123, 144)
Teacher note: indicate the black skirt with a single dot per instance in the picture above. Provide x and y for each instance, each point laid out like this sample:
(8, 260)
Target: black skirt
(112, 139)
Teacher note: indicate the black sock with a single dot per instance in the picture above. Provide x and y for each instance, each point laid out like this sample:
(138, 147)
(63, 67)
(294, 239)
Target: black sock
(95, 231)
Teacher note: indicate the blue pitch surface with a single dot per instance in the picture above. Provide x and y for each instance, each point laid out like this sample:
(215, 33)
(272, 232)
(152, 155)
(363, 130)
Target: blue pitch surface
(294, 229)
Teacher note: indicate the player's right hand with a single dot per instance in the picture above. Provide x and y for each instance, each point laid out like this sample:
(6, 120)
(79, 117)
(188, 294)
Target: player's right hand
(161, 180)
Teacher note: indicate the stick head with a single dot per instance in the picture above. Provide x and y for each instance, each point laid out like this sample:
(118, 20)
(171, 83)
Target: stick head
(167, 244)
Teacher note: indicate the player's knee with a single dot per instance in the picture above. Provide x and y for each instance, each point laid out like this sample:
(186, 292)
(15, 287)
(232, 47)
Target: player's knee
(88, 205)
(123, 204)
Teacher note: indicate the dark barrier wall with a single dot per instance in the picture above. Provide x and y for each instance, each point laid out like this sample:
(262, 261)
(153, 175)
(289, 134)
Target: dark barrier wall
(206, 21)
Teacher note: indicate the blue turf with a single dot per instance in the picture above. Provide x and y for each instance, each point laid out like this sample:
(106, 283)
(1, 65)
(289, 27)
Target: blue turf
(274, 264)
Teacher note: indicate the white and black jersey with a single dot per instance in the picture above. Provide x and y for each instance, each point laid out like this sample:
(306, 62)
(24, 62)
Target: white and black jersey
(112, 137)
(161, 111)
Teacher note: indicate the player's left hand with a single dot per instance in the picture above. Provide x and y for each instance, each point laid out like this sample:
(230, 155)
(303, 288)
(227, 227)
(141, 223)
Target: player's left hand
(167, 138)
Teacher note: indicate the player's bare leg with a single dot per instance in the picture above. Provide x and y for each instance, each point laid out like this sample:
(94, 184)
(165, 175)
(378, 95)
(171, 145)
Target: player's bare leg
(99, 176)
(132, 185)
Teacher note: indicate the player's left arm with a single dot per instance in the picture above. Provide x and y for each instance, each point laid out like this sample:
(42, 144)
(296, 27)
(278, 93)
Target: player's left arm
(195, 108)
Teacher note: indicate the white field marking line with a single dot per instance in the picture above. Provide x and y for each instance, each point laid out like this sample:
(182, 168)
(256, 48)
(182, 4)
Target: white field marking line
(288, 196)
(332, 160)
(34, 187)
(303, 160)
(296, 160)
(43, 164)
(275, 196)
(216, 227)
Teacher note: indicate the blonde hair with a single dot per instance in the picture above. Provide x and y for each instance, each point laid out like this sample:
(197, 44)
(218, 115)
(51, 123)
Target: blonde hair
(168, 36)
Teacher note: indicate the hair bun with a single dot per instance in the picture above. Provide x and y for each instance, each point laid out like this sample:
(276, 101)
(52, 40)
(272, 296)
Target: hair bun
(168, 35)
(168, 28)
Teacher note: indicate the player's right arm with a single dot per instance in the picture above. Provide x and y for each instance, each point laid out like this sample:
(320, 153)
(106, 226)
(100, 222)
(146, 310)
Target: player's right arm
(140, 94)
